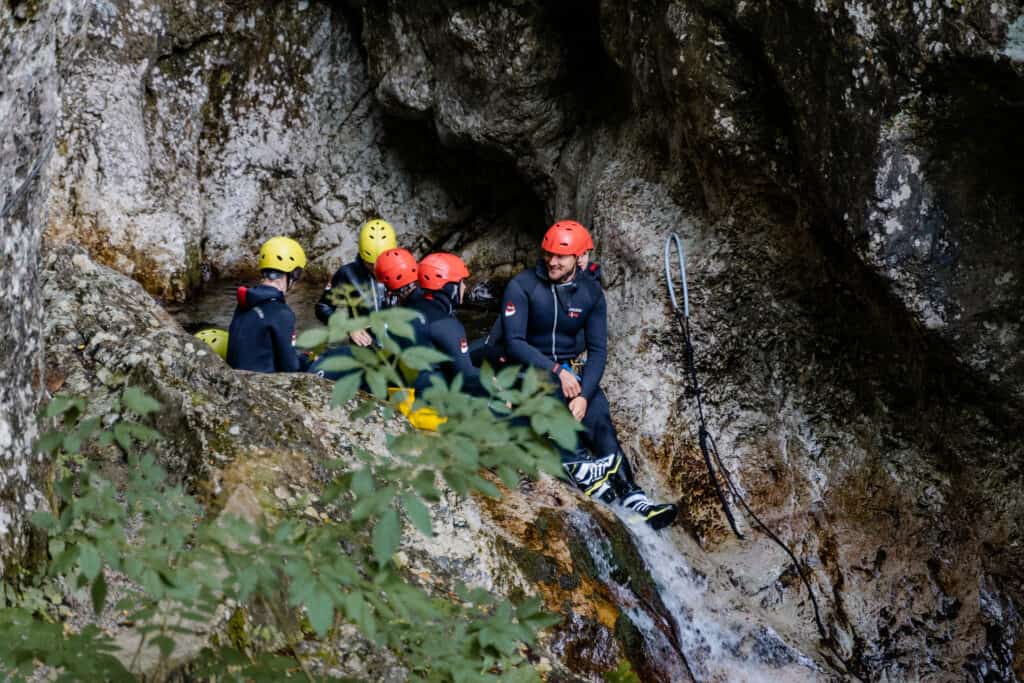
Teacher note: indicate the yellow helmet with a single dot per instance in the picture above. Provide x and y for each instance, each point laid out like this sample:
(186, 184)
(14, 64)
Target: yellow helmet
(283, 254)
(425, 419)
(216, 338)
(375, 237)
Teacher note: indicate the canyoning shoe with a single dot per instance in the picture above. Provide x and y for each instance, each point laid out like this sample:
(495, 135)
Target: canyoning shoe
(604, 493)
(592, 475)
(657, 515)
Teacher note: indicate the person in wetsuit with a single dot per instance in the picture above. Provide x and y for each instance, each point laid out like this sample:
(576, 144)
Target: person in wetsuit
(261, 337)
(544, 311)
(442, 288)
(375, 237)
(491, 348)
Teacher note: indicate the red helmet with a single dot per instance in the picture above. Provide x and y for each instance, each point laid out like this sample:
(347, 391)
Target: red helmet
(567, 238)
(437, 270)
(396, 268)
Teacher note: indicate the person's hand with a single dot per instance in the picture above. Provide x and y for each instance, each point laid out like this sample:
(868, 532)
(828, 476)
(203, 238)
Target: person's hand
(578, 408)
(570, 385)
(361, 338)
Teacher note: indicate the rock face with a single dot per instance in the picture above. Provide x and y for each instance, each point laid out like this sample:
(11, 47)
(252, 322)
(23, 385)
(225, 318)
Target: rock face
(855, 257)
(190, 135)
(27, 123)
(844, 176)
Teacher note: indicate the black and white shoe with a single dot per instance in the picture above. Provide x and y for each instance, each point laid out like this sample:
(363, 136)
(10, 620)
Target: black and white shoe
(592, 475)
(657, 515)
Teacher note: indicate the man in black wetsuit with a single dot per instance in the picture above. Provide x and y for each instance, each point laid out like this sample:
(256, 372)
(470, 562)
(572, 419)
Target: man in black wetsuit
(262, 333)
(544, 311)
(492, 347)
(375, 237)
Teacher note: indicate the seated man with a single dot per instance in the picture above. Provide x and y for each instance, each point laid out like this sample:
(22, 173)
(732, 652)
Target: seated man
(544, 311)
(492, 347)
(262, 333)
(375, 237)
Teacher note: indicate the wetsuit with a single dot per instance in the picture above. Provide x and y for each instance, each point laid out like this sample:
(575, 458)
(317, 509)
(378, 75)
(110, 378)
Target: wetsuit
(547, 324)
(371, 293)
(442, 330)
(372, 297)
(262, 333)
(492, 347)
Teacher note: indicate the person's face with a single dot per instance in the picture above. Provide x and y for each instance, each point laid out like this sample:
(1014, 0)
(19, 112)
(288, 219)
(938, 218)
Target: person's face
(584, 259)
(560, 266)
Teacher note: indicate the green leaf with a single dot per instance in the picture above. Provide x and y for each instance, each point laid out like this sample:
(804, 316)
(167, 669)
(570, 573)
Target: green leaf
(345, 388)
(313, 338)
(89, 560)
(164, 643)
(509, 477)
(401, 328)
(362, 483)
(386, 536)
(362, 410)
(563, 431)
(422, 358)
(321, 612)
(372, 503)
(44, 520)
(98, 593)
(339, 363)
(484, 486)
(62, 404)
(418, 513)
(49, 441)
(378, 384)
(138, 402)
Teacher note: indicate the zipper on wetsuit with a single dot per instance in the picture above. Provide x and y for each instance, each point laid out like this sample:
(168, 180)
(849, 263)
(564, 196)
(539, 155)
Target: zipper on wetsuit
(554, 323)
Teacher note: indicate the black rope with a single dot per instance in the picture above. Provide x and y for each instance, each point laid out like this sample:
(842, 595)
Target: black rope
(702, 432)
(708, 445)
(712, 457)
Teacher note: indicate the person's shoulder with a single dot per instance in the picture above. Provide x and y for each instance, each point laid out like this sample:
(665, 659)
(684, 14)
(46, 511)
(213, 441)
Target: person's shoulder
(279, 307)
(590, 284)
(525, 280)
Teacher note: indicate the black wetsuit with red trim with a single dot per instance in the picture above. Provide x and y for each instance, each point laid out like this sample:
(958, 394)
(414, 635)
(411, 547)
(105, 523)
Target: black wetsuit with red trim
(261, 337)
(492, 347)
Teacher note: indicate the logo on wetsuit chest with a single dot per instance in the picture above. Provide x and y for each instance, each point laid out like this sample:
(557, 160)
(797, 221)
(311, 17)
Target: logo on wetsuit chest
(575, 312)
(510, 309)
(464, 345)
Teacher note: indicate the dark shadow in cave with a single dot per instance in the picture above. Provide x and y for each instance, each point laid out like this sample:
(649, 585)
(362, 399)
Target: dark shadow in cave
(974, 133)
(599, 87)
(490, 194)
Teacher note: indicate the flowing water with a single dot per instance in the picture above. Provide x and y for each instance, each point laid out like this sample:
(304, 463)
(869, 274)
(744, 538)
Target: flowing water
(713, 636)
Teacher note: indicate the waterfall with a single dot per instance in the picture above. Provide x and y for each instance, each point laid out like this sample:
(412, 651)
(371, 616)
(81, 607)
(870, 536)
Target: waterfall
(713, 636)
